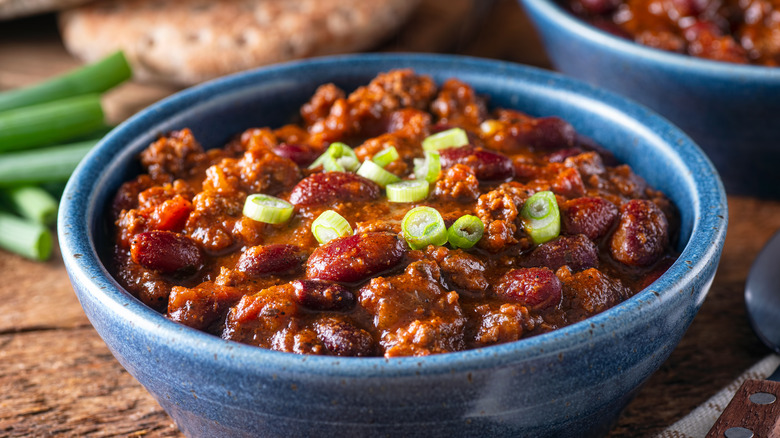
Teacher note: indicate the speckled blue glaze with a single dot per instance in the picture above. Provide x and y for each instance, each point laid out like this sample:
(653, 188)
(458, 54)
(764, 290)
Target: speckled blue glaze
(729, 110)
(571, 382)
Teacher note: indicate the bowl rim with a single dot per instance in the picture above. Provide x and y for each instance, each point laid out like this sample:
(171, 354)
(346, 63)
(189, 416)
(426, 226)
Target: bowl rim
(86, 269)
(646, 55)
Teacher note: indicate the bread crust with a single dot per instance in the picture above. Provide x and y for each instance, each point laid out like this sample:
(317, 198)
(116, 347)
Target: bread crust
(189, 41)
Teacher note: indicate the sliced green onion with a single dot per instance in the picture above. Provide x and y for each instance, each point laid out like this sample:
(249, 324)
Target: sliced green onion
(268, 209)
(42, 165)
(386, 156)
(93, 78)
(541, 217)
(375, 173)
(25, 238)
(407, 191)
(51, 122)
(337, 158)
(330, 164)
(330, 225)
(465, 232)
(451, 138)
(423, 226)
(428, 168)
(32, 202)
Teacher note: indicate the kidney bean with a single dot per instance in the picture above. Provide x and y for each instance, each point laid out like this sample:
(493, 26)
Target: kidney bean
(591, 216)
(166, 252)
(545, 133)
(344, 339)
(487, 165)
(641, 235)
(300, 154)
(323, 295)
(578, 252)
(278, 258)
(328, 187)
(535, 288)
(355, 258)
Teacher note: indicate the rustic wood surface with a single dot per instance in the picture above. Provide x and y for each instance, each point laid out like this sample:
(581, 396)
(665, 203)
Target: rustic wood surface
(57, 378)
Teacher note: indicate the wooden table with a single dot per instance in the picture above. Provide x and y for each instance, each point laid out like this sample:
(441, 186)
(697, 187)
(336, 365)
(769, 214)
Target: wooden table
(57, 378)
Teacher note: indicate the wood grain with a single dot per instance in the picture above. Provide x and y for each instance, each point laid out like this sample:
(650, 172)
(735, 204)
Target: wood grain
(761, 419)
(58, 378)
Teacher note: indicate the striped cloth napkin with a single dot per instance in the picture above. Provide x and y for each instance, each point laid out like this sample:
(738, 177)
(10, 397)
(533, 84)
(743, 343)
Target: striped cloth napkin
(700, 420)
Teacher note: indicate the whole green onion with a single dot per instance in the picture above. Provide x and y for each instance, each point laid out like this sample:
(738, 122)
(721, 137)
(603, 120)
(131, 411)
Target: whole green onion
(51, 164)
(330, 225)
(25, 238)
(423, 226)
(451, 138)
(93, 78)
(465, 232)
(33, 203)
(51, 122)
(541, 217)
(267, 209)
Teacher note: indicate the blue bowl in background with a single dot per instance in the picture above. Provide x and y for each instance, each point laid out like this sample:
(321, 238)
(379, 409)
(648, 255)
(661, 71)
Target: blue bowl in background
(577, 378)
(730, 110)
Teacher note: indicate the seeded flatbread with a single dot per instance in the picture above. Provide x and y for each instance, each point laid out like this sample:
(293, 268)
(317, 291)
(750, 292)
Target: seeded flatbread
(189, 41)
(20, 8)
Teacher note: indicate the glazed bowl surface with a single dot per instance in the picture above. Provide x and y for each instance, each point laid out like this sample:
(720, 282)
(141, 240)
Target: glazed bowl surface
(574, 379)
(728, 109)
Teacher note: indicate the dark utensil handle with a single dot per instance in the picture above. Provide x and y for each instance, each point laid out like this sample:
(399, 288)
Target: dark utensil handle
(755, 408)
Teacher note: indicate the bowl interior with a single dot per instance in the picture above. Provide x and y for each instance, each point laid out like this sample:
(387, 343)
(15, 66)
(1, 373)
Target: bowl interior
(218, 110)
(715, 70)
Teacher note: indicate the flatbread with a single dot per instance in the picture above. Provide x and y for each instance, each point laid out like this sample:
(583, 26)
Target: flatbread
(20, 8)
(189, 41)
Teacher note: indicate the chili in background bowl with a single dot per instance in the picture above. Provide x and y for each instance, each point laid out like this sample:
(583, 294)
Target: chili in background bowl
(728, 109)
(577, 378)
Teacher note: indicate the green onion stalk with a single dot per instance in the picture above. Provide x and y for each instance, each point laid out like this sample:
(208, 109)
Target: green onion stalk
(45, 165)
(32, 202)
(24, 237)
(90, 79)
(51, 122)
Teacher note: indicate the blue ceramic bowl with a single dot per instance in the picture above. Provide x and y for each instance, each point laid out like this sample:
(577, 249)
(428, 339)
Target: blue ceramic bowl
(730, 110)
(574, 379)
